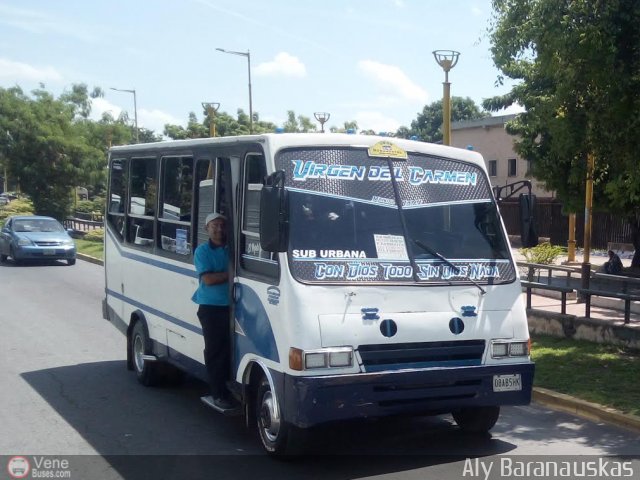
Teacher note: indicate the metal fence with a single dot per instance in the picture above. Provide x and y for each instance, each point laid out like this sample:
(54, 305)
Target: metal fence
(552, 223)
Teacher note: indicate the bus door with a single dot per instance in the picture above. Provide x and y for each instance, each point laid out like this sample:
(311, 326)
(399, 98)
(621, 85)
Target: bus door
(117, 199)
(255, 291)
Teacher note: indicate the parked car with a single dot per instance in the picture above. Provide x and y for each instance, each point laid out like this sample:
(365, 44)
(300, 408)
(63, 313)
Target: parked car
(8, 196)
(36, 237)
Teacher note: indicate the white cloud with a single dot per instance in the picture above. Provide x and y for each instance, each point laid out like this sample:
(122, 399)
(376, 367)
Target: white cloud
(515, 108)
(17, 72)
(376, 121)
(41, 22)
(476, 11)
(156, 119)
(100, 106)
(151, 119)
(393, 83)
(283, 64)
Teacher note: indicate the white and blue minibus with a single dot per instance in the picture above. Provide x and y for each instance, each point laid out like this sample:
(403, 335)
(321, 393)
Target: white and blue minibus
(371, 276)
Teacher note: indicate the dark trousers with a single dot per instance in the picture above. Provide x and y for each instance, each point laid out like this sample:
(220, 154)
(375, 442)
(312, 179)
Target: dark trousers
(215, 329)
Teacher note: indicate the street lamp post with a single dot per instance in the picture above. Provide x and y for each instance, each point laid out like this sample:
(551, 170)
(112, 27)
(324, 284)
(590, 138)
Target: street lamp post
(322, 117)
(211, 108)
(246, 54)
(135, 108)
(585, 269)
(447, 59)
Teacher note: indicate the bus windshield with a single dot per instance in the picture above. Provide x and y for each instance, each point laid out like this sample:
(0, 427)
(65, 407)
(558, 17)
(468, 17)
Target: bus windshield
(345, 224)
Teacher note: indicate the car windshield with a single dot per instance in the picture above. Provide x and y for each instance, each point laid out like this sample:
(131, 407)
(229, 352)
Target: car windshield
(345, 226)
(37, 225)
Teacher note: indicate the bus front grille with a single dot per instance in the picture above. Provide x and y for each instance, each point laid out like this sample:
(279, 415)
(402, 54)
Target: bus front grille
(397, 356)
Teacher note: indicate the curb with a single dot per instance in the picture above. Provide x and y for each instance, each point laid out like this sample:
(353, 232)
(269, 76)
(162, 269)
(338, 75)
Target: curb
(90, 259)
(584, 409)
(548, 398)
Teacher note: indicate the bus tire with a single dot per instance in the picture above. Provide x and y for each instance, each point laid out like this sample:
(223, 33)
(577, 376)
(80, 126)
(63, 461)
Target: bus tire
(272, 429)
(146, 372)
(476, 419)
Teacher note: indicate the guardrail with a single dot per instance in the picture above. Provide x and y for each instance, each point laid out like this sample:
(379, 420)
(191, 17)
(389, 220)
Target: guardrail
(80, 225)
(93, 216)
(544, 286)
(628, 283)
(534, 269)
(589, 292)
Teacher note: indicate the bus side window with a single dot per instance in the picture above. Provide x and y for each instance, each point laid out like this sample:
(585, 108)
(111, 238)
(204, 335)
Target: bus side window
(117, 196)
(143, 188)
(174, 216)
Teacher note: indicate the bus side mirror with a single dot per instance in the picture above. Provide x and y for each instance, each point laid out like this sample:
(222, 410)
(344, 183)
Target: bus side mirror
(528, 233)
(273, 214)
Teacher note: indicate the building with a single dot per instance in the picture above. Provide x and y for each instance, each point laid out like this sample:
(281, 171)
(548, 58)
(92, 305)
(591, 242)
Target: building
(489, 137)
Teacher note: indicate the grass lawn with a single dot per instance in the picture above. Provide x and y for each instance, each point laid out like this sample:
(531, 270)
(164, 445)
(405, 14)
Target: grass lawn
(94, 249)
(597, 373)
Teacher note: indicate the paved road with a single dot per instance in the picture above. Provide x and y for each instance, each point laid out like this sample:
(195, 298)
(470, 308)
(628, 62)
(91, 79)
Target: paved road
(65, 391)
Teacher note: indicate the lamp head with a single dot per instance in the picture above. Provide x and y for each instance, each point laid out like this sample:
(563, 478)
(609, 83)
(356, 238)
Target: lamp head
(447, 59)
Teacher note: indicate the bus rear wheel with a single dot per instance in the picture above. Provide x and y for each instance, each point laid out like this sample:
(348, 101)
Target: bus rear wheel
(146, 371)
(476, 419)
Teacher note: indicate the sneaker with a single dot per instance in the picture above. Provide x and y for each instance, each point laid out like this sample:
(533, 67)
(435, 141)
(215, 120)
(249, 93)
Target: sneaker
(220, 404)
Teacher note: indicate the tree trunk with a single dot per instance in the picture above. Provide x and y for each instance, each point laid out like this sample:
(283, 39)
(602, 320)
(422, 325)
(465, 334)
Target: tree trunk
(634, 222)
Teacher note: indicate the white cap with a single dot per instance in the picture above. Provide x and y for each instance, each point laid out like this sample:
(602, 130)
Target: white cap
(213, 216)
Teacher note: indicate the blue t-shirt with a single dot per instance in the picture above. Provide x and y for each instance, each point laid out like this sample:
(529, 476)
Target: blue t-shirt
(207, 259)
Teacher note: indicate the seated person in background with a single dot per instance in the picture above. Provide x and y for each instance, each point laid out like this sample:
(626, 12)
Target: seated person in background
(614, 265)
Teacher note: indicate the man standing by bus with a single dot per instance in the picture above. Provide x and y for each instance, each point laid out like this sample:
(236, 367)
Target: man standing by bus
(211, 260)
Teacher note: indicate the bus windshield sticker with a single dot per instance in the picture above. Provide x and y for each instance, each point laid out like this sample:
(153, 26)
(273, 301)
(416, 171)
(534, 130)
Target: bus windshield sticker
(386, 149)
(384, 271)
(390, 247)
(311, 170)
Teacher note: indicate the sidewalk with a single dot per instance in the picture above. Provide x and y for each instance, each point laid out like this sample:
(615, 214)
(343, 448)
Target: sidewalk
(551, 304)
(551, 307)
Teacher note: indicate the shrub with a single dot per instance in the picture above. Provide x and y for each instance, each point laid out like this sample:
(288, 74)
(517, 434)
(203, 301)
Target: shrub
(84, 206)
(19, 206)
(95, 235)
(544, 254)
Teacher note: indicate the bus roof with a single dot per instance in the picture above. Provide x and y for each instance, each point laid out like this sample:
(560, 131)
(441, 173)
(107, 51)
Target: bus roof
(276, 141)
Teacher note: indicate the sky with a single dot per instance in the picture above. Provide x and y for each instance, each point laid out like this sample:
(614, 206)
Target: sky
(365, 60)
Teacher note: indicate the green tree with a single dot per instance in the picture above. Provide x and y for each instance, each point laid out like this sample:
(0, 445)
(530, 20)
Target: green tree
(348, 125)
(298, 124)
(226, 125)
(428, 125)
(45, 148)
(578, 69)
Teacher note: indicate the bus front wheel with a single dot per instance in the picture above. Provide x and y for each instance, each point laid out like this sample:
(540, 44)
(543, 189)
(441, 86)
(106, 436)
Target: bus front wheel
(476, 419)
(272, 429)
(147, 372)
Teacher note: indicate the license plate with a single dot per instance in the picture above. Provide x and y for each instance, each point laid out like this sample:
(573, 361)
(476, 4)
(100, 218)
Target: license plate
(507, 383)
(49, 252)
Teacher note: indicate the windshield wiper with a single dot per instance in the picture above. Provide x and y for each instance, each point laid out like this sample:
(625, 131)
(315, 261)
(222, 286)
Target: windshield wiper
(447, 262)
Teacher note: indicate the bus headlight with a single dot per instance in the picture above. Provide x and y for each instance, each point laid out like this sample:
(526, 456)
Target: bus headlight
(333, 357)
(502, 349)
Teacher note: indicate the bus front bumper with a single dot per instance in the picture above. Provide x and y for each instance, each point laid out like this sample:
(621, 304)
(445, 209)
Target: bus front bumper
(314, 400)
